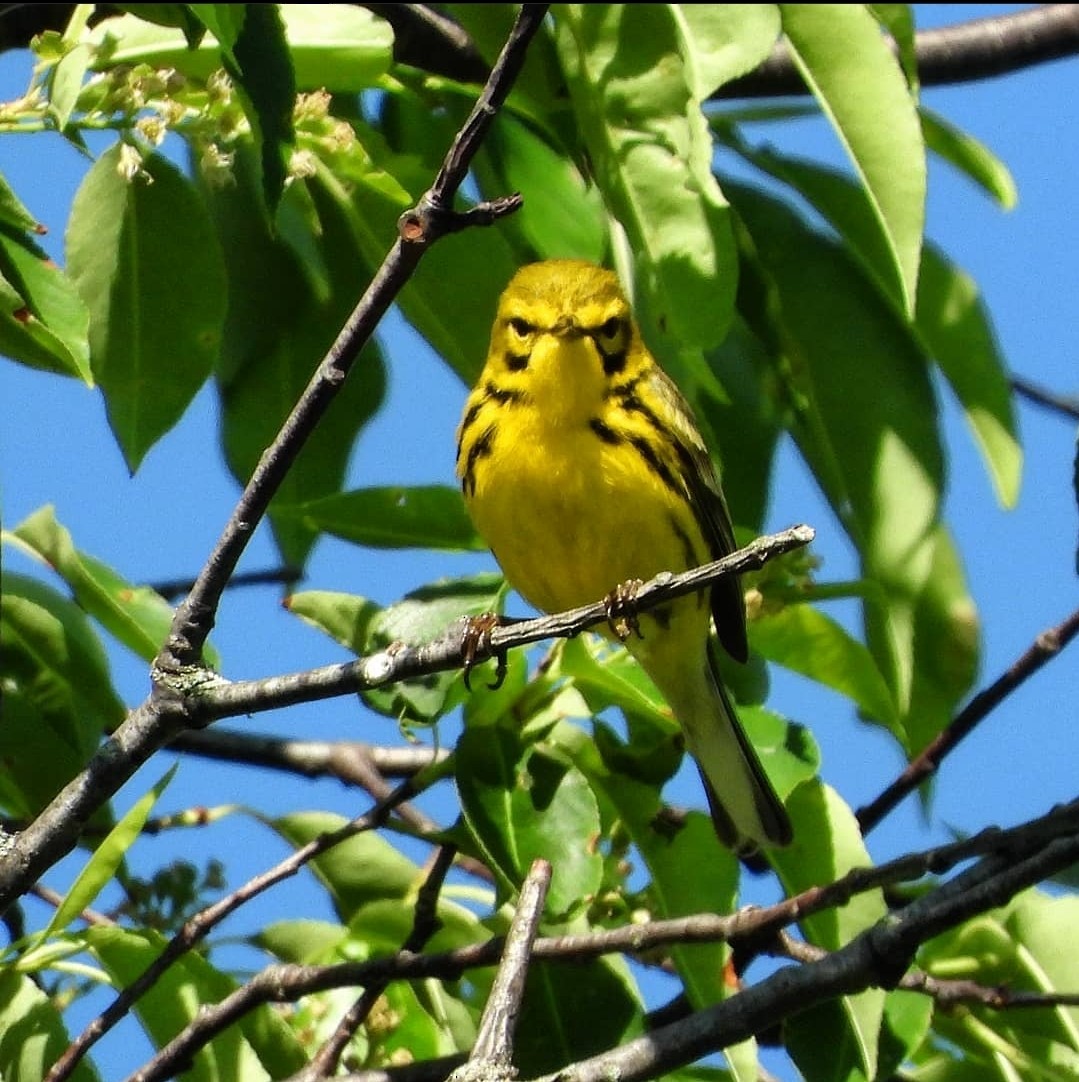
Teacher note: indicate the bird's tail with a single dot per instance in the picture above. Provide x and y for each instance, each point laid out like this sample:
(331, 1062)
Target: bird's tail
(746, 811)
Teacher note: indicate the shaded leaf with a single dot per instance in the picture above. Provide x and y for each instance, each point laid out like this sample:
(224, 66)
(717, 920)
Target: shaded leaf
(398, 516)
(145, 258)
(571, 1011)
(278, 329)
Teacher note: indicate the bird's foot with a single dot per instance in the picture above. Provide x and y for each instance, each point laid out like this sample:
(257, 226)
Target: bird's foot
(477, 640)
(621, 606)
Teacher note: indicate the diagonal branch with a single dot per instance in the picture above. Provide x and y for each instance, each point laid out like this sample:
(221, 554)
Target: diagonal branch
(1046, 647)
(178, 668)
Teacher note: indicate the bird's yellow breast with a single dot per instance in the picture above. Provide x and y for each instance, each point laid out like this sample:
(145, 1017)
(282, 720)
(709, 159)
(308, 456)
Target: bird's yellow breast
(569, 516)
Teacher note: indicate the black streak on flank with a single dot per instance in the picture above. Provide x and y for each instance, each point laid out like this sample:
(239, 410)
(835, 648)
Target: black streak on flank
(479, 449)
(604, 431)
(656, 464)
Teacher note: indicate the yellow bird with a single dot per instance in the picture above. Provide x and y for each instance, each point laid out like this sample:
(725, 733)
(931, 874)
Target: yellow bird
(583, 469)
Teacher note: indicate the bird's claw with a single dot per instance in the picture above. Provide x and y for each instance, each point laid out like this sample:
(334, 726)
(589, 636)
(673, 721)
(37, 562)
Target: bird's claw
(621, 606)
(477, 639)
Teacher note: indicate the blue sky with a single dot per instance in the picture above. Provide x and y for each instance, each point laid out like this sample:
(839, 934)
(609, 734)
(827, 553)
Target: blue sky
(55, 447)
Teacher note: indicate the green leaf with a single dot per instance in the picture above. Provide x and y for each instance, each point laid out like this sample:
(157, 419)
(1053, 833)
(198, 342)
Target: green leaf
(138, 616)
(32, 1032)
(397, 516)
(868, 430)
(805, 640)
(969, 156)
(837, 1039)
(58, 694)
(947, 644)
(278, 329)
(145, 258)
(13, 214)
(334, 46)
(570, 1011)
(106, 859)
(522, 801)
(953, 321)
(562, 216)
(853, 74)
(346, 618)
(633, 77)
(745, 428)
(725, 41)
(303, 942)
(258, 60)
(356, 872)
(43, 321)
(260, 1044)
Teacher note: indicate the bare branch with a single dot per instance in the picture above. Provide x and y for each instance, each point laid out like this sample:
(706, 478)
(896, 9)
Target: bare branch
(452, 649)
(1046, 647)
(1065, 405)
(425, 923)
(493, 1050)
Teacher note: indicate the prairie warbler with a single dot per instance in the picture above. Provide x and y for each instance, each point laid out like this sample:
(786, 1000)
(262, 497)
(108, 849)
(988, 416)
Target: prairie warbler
(583, 469)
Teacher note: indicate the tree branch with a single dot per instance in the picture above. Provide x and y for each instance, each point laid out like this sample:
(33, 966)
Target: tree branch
(1046, 647)
(456, 646)
(1065, 405)
(493, 1051)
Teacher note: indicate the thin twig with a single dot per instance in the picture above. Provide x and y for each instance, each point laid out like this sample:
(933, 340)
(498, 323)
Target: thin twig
(425, 923)
(274, 576)
(1046, 647)
(1065, 405)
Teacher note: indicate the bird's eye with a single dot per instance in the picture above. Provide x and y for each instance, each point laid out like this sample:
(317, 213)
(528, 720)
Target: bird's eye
(611, 329)
(520, 327)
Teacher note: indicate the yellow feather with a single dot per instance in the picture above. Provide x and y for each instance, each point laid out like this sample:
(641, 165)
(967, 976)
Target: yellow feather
(582, 467)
